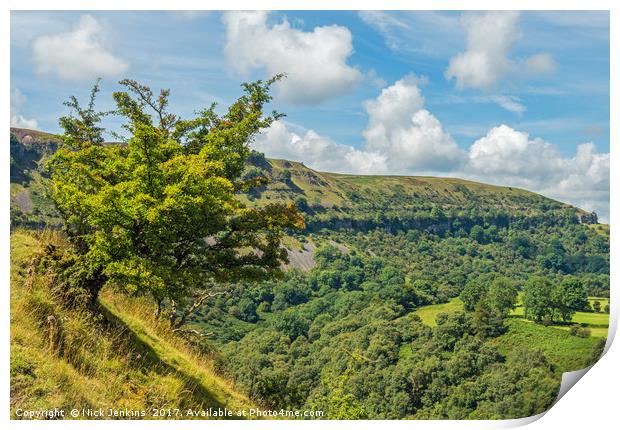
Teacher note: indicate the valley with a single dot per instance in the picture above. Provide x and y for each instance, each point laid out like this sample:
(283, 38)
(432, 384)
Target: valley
(366, 320)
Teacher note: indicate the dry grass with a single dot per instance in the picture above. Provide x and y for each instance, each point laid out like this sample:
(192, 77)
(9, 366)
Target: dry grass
(118, 358)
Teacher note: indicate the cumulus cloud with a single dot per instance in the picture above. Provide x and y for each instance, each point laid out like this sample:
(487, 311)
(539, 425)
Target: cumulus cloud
(318, 151)
(509, 157)
(401, 137)
(409, 135)
(76, 55)
(315, 62)
(490, 37)
(17, 119)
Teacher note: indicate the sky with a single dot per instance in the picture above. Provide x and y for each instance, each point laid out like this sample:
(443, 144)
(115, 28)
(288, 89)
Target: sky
(508, 98)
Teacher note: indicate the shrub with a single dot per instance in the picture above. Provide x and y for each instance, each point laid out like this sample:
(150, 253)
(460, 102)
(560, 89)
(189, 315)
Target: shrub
(580, 331)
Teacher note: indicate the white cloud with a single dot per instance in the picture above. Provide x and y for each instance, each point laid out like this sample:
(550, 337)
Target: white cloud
(375, 79)
(388, 25)
(18, 120)
(509, 157)
(510, 103)
(188, 15)
(315, 62)
(490, 37)
(409, 135)
(317, 151)
(79, 54)
(401, 137)
(407, 31)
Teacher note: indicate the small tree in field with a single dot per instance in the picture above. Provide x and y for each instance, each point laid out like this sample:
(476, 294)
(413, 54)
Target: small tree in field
(502, 296)
(569, 297)
(158, 214)
(537, 299)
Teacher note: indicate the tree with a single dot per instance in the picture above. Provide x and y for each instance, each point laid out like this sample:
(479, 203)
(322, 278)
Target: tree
(521, 244)
(157, 215)
(336, 400)
(596, 306)
(537, 299)
(502, 296)
(487, 320)
(292, 324)
(472, 294)
(247, 310)
(569, 297)
(477, 233)
(437, 214)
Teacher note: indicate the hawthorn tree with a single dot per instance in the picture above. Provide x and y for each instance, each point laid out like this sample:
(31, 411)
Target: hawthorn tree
(157, 214)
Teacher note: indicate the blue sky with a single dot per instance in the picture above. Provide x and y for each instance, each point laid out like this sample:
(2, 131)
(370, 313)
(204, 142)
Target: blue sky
(517, 99)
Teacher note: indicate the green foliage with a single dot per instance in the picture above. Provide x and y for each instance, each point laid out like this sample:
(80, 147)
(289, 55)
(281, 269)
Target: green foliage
(356, 312)
(580, 331)
(472, 294)
(158, 215)
(337, 402)
(487, 320)
(544, 302)
(565, 352)
(570, 296)
(373, 326)
(502, 296)
(538, 299)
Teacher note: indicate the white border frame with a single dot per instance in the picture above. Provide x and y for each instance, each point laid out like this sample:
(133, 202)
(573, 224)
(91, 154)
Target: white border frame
(591, 403)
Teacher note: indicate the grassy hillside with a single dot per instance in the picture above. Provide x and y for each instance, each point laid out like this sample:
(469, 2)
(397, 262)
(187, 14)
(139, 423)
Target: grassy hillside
(328, 200)
(565, 352)
(70, 358)
(336, 200)
(30, 206)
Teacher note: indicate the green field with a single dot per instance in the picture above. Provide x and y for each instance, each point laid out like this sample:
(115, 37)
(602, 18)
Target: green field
(428, 314)
(565, 351)
(598, 323)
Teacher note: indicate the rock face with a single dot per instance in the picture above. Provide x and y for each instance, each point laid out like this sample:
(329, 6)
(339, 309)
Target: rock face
(28, 147)
(301, 259)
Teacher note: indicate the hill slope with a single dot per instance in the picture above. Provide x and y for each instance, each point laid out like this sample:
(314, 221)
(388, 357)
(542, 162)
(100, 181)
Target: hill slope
(69, 358)
(398, 202)
(329, 200)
